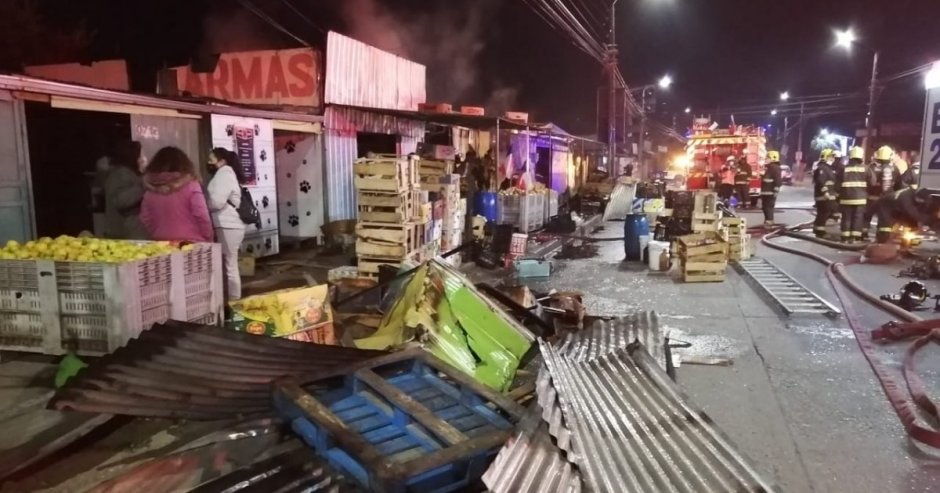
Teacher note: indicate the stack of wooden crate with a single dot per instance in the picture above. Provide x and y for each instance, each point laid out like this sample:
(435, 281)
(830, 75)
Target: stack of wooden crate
(734, 231)
(706, 216)
(389, 228)
(430, 171)
(704, 257)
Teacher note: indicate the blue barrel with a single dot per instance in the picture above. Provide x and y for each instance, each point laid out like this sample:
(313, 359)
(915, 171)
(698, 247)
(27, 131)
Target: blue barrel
(484, 204)
(634, 226)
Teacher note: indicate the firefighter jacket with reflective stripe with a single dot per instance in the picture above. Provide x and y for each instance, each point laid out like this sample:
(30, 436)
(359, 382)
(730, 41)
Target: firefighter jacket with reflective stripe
(852, 184)
(908, 207)
(770, 181)
(874, 180)
(743, 174)
(824, 182)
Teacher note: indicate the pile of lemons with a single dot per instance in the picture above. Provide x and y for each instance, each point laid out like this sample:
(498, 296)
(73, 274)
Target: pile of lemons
(68, 248)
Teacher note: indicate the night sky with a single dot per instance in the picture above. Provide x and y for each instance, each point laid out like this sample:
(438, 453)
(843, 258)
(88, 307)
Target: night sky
(727, 53)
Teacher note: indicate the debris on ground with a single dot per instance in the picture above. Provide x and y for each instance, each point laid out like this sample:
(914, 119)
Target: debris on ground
(923, 268)
(444, 313)
(578, 250)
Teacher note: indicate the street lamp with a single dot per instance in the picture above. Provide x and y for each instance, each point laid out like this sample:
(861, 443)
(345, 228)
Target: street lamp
(846, 39)
(665, 82)
(688, 110)
(785, 95)
(773, 112)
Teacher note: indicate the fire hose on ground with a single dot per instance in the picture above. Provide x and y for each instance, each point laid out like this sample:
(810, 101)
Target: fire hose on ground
(926, 331)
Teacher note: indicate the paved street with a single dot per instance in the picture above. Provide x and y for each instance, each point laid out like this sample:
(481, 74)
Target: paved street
(800, 399)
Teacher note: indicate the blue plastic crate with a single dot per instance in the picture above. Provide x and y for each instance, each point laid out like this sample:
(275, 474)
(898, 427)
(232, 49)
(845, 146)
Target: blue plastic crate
(410, 423)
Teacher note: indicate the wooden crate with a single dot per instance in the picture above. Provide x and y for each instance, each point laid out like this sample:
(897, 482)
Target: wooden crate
(704, 271)
(369, 267)
(388, 241)
(433, 167)
(706, 202)
(385, 174)
(694, 245)
(386, 207)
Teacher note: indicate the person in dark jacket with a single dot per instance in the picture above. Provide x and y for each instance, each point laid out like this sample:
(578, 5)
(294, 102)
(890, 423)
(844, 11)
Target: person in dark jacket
(770, 186)
(824, 182)
(123, 193)
(742, 180)
(876, 185)
(906, 207)
(852, 196)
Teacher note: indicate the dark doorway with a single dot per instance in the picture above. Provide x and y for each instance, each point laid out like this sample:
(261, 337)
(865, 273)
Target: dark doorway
(64, 146)
(543, 167)
(376, 143)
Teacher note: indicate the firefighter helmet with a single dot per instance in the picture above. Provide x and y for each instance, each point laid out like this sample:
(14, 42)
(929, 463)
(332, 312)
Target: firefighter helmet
(730, 159)
(825, 154)
(857, 153)
(773, 156)
(884, 153)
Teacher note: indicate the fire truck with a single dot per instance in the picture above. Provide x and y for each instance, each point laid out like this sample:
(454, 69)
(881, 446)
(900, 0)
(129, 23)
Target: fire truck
(708, 149)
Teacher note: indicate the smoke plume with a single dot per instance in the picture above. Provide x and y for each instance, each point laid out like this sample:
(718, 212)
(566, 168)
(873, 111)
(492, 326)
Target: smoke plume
(448, 39)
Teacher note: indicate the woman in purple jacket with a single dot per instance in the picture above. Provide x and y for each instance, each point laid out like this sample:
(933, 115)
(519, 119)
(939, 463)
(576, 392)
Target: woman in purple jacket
(174, 207)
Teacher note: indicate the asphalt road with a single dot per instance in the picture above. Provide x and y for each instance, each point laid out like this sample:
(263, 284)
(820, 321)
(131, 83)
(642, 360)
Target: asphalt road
(800, 400)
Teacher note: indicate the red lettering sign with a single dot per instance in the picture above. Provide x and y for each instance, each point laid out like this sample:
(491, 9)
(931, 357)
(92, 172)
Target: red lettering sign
(284, 77)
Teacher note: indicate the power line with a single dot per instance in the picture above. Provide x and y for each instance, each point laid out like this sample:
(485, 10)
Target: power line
(302, 16)
(266, 18)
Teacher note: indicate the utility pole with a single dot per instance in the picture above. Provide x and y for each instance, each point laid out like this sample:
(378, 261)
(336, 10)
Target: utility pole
(641, 141)
(612, 90)
(869, 118)
(799, 146)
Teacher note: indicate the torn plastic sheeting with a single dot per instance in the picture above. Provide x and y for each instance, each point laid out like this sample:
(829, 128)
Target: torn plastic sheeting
(457, 324)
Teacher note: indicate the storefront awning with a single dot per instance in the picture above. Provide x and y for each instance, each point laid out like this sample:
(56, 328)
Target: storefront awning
(476, 122)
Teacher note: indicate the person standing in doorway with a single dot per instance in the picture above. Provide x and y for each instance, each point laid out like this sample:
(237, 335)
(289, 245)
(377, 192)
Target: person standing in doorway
(123, 193)
(225, 196)
(174, 207)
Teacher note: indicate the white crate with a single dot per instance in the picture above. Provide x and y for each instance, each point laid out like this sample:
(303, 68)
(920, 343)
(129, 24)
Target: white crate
(94, 308)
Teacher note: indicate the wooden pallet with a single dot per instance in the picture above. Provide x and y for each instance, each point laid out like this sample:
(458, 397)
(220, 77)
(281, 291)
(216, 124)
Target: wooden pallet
(701, 244)
(386, 207)
(385, 174)
(706, 202)
(388, 241)
(431, 167)
(369, 267)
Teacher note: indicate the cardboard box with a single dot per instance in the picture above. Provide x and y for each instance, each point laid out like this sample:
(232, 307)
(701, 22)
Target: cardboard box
(473, 110)
(435, 107)
(298, 314)
(517, 116)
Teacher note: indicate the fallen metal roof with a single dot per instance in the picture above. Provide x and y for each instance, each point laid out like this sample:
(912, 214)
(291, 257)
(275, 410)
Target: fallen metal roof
(634, 431)
(179, 370)
(607, 336)
(294, 471)
(531, 462)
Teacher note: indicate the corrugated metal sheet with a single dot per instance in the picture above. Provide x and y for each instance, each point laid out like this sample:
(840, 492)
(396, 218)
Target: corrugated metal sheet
(606, 336)
(634, 431)
(530, 462)
(340, 128)
(620, 203)
(295, 471)
(358, 74)
(179, 370)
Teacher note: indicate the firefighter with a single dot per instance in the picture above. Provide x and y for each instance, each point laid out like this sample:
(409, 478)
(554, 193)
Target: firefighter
(838, 163)
(911, 177)
(852, 196)
(824, 183)
(770, 186)
(905, 207)
(877, 184)
(726, 180)
(742, 180)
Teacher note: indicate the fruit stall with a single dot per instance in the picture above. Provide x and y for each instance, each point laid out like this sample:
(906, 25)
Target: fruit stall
(91, 295)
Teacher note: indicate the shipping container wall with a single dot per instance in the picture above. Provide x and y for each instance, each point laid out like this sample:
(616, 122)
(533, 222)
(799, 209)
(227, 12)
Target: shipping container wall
(300, 184)
(340, 128)
(252, 140)
(16, 202)
(358, 74)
